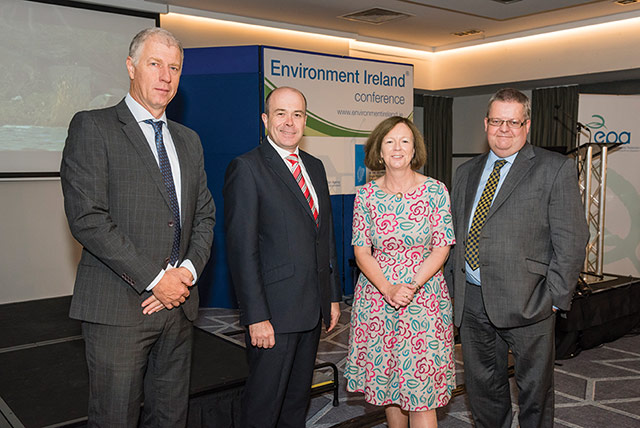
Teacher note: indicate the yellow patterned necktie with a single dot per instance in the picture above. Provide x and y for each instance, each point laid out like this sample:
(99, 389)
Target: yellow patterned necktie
(480, 215)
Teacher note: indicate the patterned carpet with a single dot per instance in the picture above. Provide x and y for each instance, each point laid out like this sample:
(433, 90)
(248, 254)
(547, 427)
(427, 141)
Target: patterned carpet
(598, 388)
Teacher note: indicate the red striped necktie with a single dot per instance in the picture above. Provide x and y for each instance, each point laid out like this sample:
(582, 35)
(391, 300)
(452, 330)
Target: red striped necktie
(297, 174)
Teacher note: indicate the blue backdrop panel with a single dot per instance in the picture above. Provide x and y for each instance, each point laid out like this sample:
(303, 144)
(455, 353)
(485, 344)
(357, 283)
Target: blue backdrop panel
(337, 208)
(220, 98)
(342, 206)
(349, 258)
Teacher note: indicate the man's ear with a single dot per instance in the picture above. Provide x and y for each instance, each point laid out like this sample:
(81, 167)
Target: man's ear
(131, 68)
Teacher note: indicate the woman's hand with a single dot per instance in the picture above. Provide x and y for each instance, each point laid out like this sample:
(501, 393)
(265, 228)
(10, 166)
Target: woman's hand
(399, 295)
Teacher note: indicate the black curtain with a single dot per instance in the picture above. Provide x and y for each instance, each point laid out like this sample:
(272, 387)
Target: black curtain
(438, 135)
(554, 118)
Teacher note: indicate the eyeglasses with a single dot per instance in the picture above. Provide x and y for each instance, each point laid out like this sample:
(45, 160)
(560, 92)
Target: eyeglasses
(511, 123)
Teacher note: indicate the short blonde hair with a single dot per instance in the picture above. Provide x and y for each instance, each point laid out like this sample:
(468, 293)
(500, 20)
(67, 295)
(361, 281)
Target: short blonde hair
(373, 146)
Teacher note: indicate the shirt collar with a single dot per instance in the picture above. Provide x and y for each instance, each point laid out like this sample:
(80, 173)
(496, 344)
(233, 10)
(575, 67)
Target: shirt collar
(140, 113)
(282, 152)
(493, 158)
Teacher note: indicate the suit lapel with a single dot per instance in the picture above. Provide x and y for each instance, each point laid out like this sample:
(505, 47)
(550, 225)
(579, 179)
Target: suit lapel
(278, 166)
(473, 181)
(523, 163)
(136, 137)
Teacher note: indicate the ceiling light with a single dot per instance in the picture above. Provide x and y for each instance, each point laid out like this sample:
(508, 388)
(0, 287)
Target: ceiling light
(506, 1)
(375, 16)
(467, 33)
(626, 2)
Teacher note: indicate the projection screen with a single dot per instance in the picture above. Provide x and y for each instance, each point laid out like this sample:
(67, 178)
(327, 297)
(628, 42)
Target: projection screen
(57, 58)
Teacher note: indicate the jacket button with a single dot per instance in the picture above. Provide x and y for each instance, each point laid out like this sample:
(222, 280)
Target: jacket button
(170, 223)
(166, 261)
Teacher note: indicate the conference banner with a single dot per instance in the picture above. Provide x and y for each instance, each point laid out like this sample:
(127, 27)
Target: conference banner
(346, 99)
(614, 119)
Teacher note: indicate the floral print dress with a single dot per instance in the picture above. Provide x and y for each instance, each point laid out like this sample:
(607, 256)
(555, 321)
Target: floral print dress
(404, 356)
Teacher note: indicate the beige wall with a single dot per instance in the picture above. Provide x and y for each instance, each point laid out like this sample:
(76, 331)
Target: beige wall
(39, 255)
(597, 48)
(205, 32)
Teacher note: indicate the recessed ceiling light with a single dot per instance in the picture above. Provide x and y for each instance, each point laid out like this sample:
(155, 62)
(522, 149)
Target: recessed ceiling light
(375, 16)
(625, 2)
(467, 33)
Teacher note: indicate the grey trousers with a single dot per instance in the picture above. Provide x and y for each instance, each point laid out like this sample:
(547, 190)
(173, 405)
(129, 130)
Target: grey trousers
(128, 365)
(485, 350)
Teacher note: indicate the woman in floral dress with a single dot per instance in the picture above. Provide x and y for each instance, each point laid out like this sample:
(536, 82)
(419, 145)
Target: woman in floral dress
(401, 341)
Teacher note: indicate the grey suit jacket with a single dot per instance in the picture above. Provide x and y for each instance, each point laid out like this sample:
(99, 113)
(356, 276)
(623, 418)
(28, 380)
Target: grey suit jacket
(118, 209)
(532, 246)
(283, 267)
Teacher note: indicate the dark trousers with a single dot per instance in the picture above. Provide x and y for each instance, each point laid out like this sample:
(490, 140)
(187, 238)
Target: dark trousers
(278, 388)
(485, 351)
(148, 362)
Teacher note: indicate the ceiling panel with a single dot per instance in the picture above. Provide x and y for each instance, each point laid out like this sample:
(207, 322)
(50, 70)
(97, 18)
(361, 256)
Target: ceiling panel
(431, 23)
(496, 10)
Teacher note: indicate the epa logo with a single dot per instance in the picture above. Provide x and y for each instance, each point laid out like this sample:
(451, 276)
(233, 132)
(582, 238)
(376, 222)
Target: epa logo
(604, 135)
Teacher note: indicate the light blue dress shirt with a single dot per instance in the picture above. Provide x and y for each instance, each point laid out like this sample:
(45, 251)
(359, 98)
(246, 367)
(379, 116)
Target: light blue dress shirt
(473, 276)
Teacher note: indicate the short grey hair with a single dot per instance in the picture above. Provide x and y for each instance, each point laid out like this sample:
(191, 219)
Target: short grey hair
(510, 95)
(139, 39)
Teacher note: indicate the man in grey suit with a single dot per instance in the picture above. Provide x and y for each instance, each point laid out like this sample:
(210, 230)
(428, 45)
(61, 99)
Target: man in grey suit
(136, 198)
(282, 260)
(521, 237)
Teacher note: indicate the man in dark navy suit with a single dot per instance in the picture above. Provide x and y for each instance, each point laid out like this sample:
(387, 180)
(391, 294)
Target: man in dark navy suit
(282, 259)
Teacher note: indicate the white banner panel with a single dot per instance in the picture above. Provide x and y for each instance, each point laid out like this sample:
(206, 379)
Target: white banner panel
(614, 119)
(347, 98)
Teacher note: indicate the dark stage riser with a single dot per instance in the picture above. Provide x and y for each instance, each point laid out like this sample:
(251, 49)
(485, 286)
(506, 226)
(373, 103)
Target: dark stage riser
(608, 312)
(43, 374)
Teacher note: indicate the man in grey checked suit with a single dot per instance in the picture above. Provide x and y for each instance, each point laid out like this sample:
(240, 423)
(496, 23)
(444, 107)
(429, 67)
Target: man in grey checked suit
(525, 265)
(146, 235)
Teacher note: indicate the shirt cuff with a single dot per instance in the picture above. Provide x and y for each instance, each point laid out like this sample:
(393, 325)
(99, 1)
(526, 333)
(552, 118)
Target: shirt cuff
(189, 266)
(185, 264)
(155, 281)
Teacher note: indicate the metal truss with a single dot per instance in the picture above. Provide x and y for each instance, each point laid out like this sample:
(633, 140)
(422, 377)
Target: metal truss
(591, 161)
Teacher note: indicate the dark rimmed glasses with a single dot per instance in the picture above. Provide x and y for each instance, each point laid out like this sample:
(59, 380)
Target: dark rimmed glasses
(511, 123)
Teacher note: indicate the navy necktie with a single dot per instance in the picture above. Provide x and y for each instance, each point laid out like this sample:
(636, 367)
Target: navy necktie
(165, 168)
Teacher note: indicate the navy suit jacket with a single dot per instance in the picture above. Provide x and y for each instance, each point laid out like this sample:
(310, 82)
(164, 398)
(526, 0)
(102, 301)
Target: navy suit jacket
(283, 266)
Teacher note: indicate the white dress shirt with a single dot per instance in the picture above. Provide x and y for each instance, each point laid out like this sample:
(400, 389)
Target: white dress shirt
(141, 114)
(283, 154)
